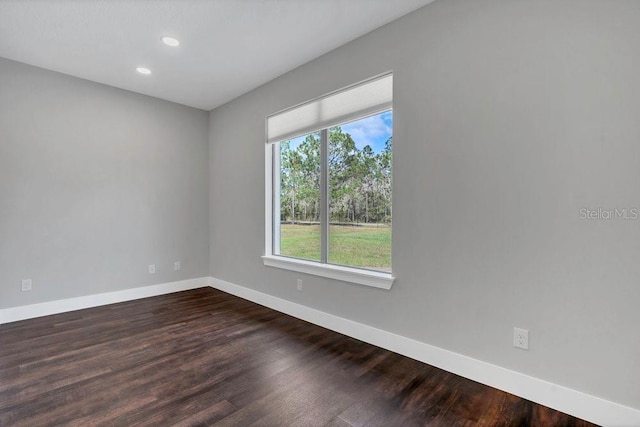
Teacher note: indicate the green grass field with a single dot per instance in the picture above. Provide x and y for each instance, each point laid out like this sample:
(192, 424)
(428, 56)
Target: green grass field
(364, 246)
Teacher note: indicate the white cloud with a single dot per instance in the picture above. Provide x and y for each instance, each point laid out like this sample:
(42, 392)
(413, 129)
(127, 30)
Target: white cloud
(373, 131)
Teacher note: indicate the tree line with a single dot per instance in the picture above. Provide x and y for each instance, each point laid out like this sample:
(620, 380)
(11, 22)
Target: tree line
(359, 180)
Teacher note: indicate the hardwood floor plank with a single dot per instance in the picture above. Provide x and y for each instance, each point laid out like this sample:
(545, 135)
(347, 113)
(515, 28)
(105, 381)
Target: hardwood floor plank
(203, 357)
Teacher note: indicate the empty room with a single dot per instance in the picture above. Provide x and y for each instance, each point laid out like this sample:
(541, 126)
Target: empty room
(319, 212)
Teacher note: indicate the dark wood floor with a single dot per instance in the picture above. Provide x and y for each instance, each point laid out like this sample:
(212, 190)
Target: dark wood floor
(204, 357)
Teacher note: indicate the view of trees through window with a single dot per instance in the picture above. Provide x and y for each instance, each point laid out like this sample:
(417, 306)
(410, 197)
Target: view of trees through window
(359, 163)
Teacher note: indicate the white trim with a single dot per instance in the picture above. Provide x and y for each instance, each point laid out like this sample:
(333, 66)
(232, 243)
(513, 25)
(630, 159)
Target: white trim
(376, 279)
(13, 314)
(268, 199)
(573, 402)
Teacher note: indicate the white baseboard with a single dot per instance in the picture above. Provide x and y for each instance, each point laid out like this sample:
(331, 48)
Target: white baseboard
(14, 314)
(573, 402)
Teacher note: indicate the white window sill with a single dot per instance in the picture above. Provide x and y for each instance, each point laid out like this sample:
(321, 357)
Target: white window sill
(376, 279)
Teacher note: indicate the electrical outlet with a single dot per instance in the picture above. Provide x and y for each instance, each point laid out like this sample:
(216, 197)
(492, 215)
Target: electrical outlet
(521, 338)
(152, 269)
(177, 266)
(27, 285)
(300, 285)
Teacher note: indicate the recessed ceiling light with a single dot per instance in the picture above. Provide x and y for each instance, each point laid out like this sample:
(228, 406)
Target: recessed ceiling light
(170, 41)
(143, 70)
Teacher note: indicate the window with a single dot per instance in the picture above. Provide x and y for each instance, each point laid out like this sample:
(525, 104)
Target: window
(328, 191)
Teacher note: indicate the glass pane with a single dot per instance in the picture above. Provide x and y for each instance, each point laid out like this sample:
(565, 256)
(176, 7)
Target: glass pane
(299, 228)
(360, 192)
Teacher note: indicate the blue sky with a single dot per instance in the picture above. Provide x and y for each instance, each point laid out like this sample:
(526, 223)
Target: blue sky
(373, 130)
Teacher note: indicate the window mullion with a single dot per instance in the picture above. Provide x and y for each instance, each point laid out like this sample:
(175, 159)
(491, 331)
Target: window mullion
(324, 196)
(275, 153)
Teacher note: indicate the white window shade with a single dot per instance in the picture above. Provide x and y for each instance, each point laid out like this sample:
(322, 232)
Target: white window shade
(357, 101)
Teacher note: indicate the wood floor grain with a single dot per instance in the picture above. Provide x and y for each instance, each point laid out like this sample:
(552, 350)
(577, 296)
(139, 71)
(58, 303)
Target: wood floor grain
(203, 357)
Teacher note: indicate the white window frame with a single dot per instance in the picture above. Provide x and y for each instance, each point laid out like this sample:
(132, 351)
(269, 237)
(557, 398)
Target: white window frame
(377, 279)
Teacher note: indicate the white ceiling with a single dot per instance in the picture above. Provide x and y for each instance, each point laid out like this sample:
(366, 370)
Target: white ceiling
(228, 47)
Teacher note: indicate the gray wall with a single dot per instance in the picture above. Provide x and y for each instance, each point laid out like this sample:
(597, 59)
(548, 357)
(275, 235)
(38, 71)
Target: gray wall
(510, 116)
(95, 184)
